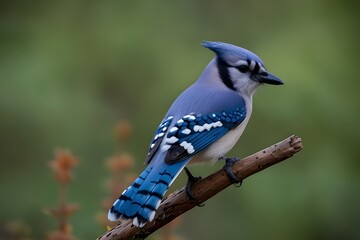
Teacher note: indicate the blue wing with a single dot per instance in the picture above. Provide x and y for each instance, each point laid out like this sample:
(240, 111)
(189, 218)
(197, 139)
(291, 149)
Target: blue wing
(192, 124)
(195, 132)
(158, 137)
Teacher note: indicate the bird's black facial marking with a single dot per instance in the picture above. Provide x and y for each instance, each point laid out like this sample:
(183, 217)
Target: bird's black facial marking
(256, 68)
(250, 66)
(224, 73)
(243, 68)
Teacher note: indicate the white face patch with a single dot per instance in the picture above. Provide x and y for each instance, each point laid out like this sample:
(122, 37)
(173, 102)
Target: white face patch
(242, 82)
(262, 69)
(252, 65)
(241, 62)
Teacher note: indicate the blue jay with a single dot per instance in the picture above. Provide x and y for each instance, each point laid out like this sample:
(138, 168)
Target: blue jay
(203, 123)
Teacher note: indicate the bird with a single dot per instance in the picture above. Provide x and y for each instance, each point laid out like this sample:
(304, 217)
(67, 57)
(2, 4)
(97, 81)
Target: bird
(202, 124)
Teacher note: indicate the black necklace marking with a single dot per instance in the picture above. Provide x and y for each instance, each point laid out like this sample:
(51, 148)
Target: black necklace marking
(224, 73)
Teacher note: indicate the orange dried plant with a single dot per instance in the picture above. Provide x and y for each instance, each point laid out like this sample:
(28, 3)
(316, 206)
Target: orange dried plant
(119, 167)
(123, 130)
(62, 167)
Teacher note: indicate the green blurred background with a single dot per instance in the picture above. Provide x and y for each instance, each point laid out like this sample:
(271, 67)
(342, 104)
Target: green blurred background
(70, 70)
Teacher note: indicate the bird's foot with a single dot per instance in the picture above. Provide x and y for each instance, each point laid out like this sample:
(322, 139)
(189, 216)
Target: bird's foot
(229, 162)
(189, 184)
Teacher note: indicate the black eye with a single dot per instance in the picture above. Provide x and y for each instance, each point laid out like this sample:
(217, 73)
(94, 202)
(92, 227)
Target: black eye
(243, 68)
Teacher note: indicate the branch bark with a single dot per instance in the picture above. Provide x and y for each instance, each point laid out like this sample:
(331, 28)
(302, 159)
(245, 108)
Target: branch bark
(178, 203)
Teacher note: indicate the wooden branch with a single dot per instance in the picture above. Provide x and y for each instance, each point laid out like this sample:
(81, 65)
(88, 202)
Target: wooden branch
(178, 202)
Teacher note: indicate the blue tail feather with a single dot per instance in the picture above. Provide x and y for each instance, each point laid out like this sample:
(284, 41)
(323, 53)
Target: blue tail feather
(143, 197)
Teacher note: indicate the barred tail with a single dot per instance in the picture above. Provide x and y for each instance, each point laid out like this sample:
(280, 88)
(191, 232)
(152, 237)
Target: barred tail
(141, 200)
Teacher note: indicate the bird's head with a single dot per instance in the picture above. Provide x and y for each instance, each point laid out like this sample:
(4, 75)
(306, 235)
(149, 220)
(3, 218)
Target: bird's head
(240, 69)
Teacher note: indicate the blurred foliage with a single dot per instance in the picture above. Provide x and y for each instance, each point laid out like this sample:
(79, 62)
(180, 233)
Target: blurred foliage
(71, 69)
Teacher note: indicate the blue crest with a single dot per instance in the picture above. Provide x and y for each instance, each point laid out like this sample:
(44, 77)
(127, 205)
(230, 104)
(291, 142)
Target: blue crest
(231, 53)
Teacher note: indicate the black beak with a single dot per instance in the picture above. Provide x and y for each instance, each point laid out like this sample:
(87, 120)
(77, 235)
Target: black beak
(269, 79)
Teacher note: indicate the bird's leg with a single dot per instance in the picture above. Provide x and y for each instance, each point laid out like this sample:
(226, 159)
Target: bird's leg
(190, 182)
(229, 162)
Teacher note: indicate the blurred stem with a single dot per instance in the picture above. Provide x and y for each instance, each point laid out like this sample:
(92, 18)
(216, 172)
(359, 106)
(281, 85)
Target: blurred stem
(62, 207)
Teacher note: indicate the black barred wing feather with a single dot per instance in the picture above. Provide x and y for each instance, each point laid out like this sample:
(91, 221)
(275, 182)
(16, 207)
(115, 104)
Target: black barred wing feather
(159, 135)
(193, 133)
